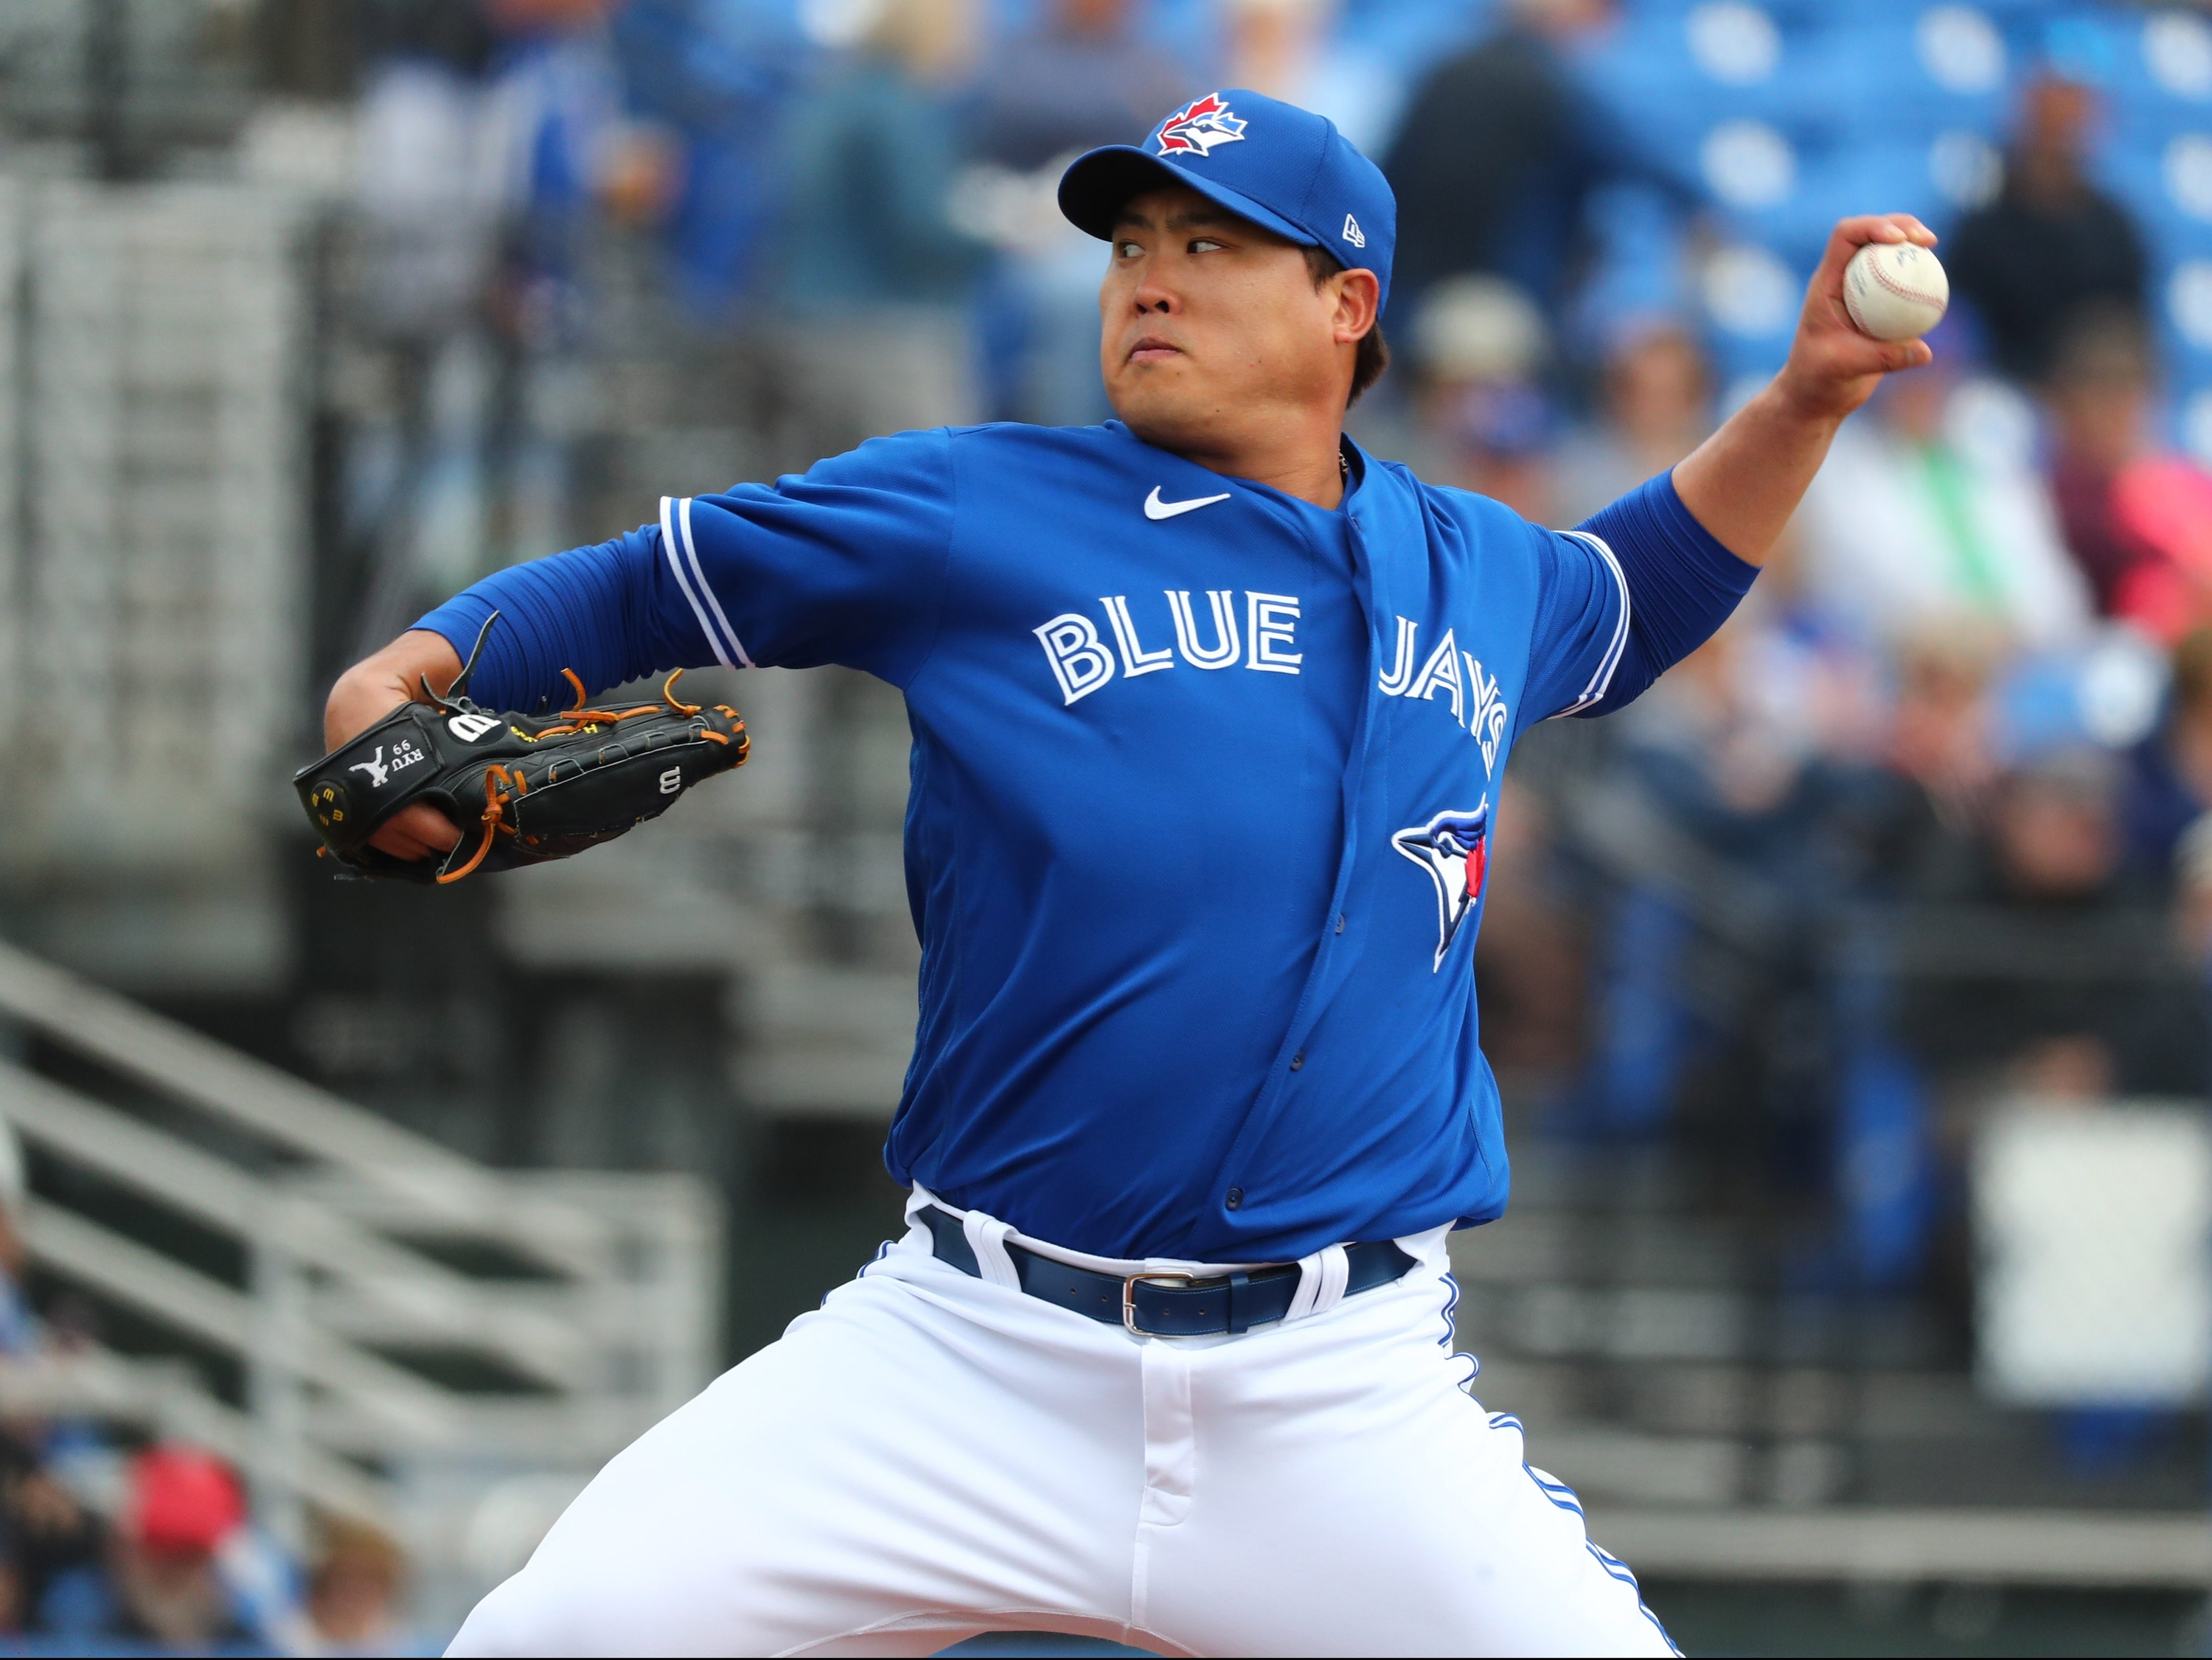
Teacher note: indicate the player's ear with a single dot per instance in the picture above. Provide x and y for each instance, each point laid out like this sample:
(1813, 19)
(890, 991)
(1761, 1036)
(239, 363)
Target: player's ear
(1359, 300)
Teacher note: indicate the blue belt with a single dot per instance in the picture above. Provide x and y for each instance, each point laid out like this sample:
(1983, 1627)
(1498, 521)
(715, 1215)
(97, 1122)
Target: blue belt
(1166, 1304)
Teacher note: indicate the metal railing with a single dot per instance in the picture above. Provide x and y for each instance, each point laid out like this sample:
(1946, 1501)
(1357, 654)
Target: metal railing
(600, 1318)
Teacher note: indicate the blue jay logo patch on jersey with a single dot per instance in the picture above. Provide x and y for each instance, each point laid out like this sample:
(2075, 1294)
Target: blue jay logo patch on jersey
(1200, 127)
(1453, 848)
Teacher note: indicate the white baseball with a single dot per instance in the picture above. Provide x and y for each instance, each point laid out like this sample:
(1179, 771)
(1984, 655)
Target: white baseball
(1895, 290)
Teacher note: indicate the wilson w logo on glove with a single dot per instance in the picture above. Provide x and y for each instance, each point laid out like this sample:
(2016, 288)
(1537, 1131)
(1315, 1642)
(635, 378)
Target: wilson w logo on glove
(521, 789)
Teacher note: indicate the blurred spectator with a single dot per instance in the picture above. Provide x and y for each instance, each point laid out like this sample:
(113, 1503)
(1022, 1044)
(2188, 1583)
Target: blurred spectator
(486, 158)
(183, 1505)
(572, 150)
(449, 31)
(2051, 242)
(1907, 534)
(1290, 50)
(1084, 77)
(1498, 150)
(1530, 967)
(874, 271)
(1484, 423)
(2050, 867)
(1655, 406)
(2054, 838)
(19, 1327)
(2169, 786)
(1478, 330)
(429, 181)
(1735, 745)
(872, 166)
(190, 1567)
(573, 158)
(353, 1592)
(1938, 752)
(54, 1543)
(1735, 754)
(1501, 439)
(2192, 870)
(432, 190)
(716, 76)
(2138, 520)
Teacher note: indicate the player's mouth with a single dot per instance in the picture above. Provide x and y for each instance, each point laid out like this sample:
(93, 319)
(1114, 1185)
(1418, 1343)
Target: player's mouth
(1150, 348)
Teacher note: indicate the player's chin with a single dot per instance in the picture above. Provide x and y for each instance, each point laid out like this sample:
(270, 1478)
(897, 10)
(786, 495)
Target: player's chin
(1157, 408)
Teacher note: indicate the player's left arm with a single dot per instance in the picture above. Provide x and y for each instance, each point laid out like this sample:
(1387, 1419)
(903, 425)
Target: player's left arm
(1743, 482)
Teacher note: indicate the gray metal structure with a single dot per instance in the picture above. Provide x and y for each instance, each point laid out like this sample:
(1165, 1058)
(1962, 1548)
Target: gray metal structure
(600, 1319)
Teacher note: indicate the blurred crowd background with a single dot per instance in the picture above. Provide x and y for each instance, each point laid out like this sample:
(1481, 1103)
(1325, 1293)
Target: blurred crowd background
(1851, 992)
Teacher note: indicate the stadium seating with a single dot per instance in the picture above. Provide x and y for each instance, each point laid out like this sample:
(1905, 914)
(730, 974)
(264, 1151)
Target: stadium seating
(1805, 110)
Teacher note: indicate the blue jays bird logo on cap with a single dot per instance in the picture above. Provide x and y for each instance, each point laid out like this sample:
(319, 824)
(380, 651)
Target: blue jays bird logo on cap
(1200, 127)
(1453, 848)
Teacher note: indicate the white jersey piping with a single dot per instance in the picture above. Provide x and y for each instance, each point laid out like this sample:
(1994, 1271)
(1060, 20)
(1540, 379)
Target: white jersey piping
(1600, 680)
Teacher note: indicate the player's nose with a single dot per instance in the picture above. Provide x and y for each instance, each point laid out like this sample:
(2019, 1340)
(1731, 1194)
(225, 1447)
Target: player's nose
(1154, 295)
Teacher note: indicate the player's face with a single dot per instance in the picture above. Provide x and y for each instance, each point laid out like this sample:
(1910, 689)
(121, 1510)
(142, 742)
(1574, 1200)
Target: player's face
(1212, 329)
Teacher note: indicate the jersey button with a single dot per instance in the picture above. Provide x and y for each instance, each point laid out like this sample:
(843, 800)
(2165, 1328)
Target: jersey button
(1339, 922)
(1235, 1197)
(1298, 1060)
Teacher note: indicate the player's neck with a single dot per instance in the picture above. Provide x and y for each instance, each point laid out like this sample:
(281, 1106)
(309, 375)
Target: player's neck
(1302, 459)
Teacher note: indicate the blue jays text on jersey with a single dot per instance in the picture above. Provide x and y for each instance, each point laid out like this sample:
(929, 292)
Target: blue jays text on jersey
(1202, 781)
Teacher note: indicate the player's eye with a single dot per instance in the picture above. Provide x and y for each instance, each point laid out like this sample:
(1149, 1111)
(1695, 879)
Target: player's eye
(1129, 249)
(1204, 244)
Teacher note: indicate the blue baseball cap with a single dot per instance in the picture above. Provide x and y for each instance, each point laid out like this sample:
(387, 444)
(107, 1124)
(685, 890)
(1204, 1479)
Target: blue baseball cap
(1283, 169)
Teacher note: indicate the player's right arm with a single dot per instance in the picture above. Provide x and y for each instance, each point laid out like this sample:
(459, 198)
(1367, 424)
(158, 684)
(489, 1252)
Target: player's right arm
(1645, 581)
(1743, 484)
(842, 564)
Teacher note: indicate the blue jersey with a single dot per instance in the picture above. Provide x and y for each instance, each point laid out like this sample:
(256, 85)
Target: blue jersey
(1203, 778)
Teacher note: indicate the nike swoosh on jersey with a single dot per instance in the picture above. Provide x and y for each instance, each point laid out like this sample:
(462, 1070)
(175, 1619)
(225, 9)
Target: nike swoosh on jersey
(1155, 508)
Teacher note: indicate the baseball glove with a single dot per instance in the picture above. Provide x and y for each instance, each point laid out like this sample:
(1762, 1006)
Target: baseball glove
(521, 789)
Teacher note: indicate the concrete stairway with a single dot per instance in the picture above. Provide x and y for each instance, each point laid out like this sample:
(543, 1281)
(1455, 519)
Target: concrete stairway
(1716, 1425)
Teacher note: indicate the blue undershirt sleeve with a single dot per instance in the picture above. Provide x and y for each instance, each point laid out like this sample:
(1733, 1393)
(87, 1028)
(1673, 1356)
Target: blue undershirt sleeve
(844, 563)
(590, 609)
(1678, 584)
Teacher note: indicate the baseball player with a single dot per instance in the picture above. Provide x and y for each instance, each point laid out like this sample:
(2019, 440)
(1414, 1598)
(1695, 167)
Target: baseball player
(1210, 712)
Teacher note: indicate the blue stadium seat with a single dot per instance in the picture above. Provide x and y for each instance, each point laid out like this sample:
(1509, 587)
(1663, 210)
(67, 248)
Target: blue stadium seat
(2156, 76)
(1915, 73)
(1671, 74)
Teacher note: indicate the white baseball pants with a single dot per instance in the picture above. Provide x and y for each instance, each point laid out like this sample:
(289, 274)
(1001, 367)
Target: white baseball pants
(933, 1454)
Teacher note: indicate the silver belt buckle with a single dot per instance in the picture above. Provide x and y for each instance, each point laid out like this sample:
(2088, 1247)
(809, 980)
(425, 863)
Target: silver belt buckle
(1129, 1299)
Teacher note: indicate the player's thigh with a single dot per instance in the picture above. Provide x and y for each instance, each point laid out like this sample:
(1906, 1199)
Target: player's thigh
(889, 1460)
(1415, 1526)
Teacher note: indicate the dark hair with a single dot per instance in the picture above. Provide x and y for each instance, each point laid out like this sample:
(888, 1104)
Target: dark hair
(1374, 350)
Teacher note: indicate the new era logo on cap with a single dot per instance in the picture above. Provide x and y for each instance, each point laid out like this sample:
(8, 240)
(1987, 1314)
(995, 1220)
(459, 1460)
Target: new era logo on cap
(1200, 127)
(1286, 169)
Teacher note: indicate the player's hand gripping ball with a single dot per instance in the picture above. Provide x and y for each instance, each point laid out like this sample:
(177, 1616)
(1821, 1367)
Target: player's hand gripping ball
(1895, 290)
(522, 789)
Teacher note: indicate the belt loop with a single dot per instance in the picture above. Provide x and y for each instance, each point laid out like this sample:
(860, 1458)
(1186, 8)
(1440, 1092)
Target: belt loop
(1321, 1280)
(987, 1237)
(1238, 1324)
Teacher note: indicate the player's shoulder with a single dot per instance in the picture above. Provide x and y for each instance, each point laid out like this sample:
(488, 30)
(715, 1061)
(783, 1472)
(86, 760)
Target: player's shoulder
(925, 466)
(1481, 521)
